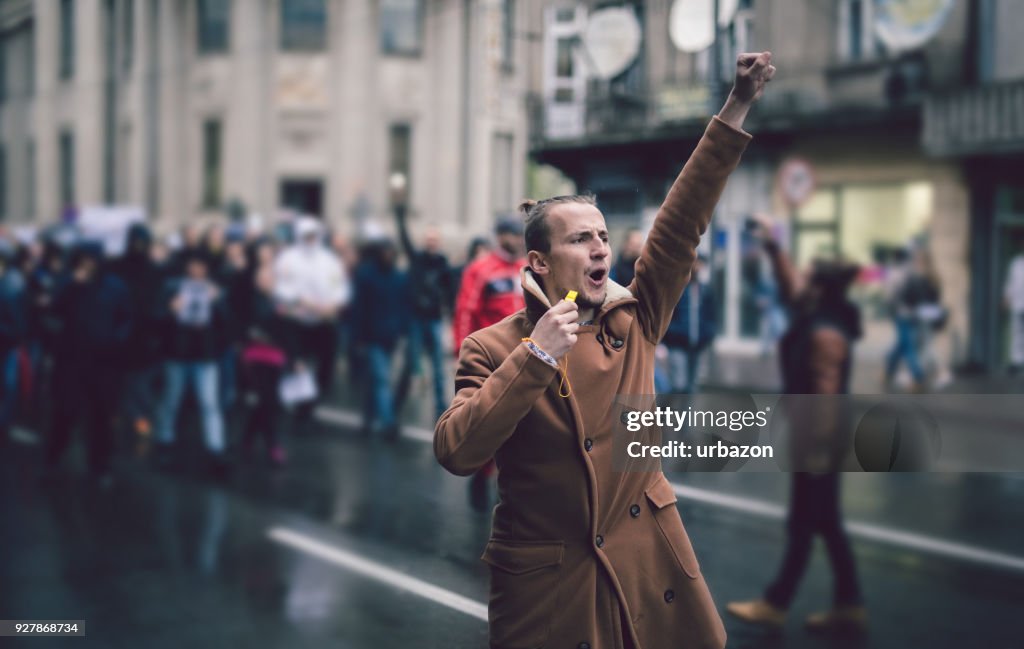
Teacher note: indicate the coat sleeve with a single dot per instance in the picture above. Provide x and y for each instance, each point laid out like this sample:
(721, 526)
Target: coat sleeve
(663, 269)
(489, 403)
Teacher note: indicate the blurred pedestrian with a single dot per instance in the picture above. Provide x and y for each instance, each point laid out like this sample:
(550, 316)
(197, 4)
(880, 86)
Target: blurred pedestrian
(477, 249)
(816, 357)
(909, 287)
(691, 330)
(14, 322)
(930, 316)
(624, 269)
(264, 358)
(312, 288)
(236, 280)
(1013, 301)
(429, 290)
(144, 358)
(381, 316)
(491, 290)
(92, 314)
(198, 326)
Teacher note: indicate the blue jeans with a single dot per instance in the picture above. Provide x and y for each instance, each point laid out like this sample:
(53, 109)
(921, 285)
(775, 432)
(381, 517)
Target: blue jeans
(379, 404)
(9, 402)
(427, 334)
(202, 377)
(905, 349)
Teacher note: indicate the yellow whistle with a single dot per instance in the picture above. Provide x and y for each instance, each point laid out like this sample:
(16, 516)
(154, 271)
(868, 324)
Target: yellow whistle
(571, 296)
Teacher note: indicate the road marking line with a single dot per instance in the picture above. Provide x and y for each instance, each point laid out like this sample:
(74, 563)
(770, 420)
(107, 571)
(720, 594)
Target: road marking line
(378, 572)
(857, 529)
(765, 509)
(350, 418)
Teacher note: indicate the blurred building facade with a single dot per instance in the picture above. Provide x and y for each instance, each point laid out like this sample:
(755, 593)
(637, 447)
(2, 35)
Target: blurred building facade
(184, 106)
(842, 152)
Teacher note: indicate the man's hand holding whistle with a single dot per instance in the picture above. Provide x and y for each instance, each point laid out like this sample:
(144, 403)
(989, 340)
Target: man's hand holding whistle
(555, 332)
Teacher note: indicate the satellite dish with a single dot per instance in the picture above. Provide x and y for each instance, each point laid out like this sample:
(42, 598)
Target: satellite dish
(908, 24)
(612, 39)
(689, 22)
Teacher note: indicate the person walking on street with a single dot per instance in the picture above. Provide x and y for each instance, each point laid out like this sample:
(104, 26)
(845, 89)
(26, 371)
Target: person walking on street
(691, 331)
(816, 356)
(581, 555)
(625, 266)
(92, 313)
(1013, 301)
(429, 288)
(198, 327)
(312, 288)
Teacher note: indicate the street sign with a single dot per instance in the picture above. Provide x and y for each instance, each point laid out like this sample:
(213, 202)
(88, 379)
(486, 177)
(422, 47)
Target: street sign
(797, 182)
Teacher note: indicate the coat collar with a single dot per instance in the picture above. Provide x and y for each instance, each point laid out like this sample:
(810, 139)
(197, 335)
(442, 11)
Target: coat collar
(537, 303)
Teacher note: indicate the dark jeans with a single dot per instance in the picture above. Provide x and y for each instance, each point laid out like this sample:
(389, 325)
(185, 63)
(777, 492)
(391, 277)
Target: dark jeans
(814, 509)
(379, 403)
(84, 394)
(318, 343)
(141, 399)
(264, 409)
(424, 335)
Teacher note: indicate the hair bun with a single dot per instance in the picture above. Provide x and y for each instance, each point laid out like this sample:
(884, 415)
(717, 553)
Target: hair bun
(526, 206)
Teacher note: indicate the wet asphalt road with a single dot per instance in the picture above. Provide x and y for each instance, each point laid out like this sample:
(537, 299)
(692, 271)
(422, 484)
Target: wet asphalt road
(367, 544)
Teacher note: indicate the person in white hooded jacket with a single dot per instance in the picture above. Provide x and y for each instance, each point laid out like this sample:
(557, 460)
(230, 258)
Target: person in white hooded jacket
(311, 288)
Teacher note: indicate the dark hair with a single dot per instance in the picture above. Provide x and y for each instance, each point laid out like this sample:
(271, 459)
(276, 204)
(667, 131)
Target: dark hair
(538, 234)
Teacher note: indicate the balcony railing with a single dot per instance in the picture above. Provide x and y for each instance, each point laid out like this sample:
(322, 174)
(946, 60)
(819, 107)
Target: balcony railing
(985, 119)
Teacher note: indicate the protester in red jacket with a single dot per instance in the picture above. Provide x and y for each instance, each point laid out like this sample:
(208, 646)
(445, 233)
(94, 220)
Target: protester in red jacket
(491, 288)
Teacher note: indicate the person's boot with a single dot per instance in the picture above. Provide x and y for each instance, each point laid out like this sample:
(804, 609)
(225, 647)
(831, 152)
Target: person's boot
(851, 619)
(758, 611)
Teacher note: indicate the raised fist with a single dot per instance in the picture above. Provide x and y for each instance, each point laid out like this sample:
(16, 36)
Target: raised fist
(753, 71)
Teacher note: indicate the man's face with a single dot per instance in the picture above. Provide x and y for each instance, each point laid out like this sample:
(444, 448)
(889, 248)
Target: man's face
(511, 243)
(633, 245)
(196, 270)
(578, 259)
(432, 241)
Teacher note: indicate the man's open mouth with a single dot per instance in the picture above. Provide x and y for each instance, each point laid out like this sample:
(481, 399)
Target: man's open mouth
(597, 276)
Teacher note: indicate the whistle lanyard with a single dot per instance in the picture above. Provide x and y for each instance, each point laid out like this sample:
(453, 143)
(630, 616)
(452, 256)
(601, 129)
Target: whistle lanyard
(564, 386)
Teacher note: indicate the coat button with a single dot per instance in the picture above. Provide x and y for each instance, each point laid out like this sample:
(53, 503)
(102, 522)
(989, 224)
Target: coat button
(634, 510)
(617, 343)
(600, 339)
(588, 444)
(599, 541)
(583, 645)
(669, 596)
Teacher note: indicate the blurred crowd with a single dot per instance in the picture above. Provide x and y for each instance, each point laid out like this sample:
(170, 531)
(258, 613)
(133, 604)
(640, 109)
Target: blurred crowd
(251, 324)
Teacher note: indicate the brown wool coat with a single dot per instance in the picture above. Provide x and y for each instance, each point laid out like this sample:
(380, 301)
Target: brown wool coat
(581, 555)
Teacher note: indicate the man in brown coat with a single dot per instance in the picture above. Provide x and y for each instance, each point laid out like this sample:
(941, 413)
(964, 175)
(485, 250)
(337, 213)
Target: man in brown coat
(582, 556)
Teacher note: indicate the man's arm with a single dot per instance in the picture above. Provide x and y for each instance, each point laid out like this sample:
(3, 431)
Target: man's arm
(664, 266)
(489, 403)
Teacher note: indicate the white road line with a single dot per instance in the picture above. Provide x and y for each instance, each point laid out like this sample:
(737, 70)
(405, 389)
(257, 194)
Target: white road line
(765, 509)
(378, 572)
(350, 418)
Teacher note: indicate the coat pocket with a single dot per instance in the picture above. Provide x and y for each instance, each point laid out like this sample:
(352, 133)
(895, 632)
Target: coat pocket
(524, 591)
(663, 500)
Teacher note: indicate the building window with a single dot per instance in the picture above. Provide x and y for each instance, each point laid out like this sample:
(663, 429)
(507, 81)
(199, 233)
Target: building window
(508, 30)
(213, 25)
(502, 174)
(857, 40)
(400, 156)
(3, 182)
(565, 15)
(66, 143)
(30, 183)
(303, 25)
(401, 27)
(211, 163)
(67, 39)
(128, 35)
